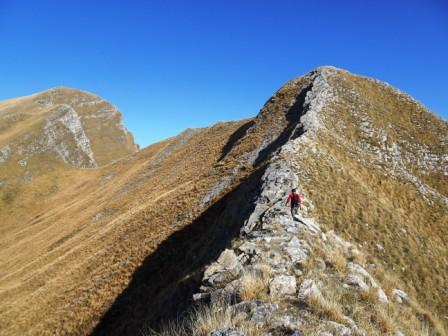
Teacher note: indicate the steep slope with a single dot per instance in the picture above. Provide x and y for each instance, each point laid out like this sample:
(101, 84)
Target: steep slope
(117, 248)
(376, 171)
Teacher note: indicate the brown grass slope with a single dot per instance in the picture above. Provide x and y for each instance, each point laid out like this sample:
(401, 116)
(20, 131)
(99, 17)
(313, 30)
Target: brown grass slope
(67, 255)
(378, 174)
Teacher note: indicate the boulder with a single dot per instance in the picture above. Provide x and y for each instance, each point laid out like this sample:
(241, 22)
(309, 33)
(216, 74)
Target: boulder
(282, 285)
(308, 288)
(227, 332)
(262, 314)
(224, 270)
(338, 329)
(249, 248)
(258, 312)
(298, 250)
(399, 295)
(360, 278)
(382, 297)
(286, 323)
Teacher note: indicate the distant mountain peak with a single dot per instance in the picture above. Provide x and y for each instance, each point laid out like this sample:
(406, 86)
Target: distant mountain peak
(80, 128)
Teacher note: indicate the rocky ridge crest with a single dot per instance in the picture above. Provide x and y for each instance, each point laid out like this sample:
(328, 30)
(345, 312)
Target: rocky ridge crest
(288, 276)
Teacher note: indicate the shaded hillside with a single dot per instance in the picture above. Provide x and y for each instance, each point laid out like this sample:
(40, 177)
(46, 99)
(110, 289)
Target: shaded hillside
(120, 247)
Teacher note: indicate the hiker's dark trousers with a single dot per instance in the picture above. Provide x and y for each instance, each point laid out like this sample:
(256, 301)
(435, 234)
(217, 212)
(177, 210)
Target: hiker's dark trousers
(294, 210)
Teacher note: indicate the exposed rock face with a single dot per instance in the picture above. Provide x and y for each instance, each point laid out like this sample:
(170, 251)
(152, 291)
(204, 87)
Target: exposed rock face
(227, 332)
(65, 123)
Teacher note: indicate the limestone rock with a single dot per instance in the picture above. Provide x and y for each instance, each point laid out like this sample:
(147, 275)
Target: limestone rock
(249, 248)
(224, 270)
(308, 288)
(282, 285)
(277, 180)
(399, 295)
(360, 278)
(263, 313)
(286, 323)
(227, 332)
(298, 250)
(338, 329)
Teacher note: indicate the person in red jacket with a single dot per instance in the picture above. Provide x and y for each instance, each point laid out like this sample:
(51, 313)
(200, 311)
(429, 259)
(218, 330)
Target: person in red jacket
(296, 202)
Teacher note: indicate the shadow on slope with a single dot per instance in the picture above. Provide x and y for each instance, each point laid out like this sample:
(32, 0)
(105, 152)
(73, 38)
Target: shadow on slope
(162, 287)
(293, 128)
(235, 137)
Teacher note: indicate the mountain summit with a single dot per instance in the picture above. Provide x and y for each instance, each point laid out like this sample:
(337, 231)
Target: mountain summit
(200, 219)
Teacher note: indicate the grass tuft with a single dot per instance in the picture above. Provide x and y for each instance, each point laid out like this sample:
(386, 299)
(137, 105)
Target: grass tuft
(254, 286)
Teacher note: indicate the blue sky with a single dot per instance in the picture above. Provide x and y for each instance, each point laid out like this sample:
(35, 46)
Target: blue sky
(169, 65)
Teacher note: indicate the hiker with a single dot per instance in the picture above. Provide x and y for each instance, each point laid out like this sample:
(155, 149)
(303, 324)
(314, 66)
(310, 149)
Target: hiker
(296, 202)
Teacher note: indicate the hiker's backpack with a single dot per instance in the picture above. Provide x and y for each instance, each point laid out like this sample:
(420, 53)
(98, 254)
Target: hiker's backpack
(295, 200)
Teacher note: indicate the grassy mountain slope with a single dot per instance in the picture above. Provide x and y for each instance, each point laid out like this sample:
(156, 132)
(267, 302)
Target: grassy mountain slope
(372, 163)
(376, 171)
(70, 253)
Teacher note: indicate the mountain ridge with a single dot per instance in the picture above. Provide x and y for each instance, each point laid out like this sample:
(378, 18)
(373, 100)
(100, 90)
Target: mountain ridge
(328, 126)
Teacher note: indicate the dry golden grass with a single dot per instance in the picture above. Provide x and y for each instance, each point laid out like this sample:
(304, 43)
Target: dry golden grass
(337, 260)
(219, 315)
(62, 264)
(360, 202)
(22, 121)
(370, 295)
(371, 316)
(326, 308)
(207, 318)
(254, 286)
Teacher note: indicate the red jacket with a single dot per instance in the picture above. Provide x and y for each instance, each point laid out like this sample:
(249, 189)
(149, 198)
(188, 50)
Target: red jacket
(297, 197)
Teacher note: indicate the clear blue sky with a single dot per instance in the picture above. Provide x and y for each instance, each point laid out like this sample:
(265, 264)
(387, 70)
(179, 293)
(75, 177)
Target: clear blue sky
(169, 65)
